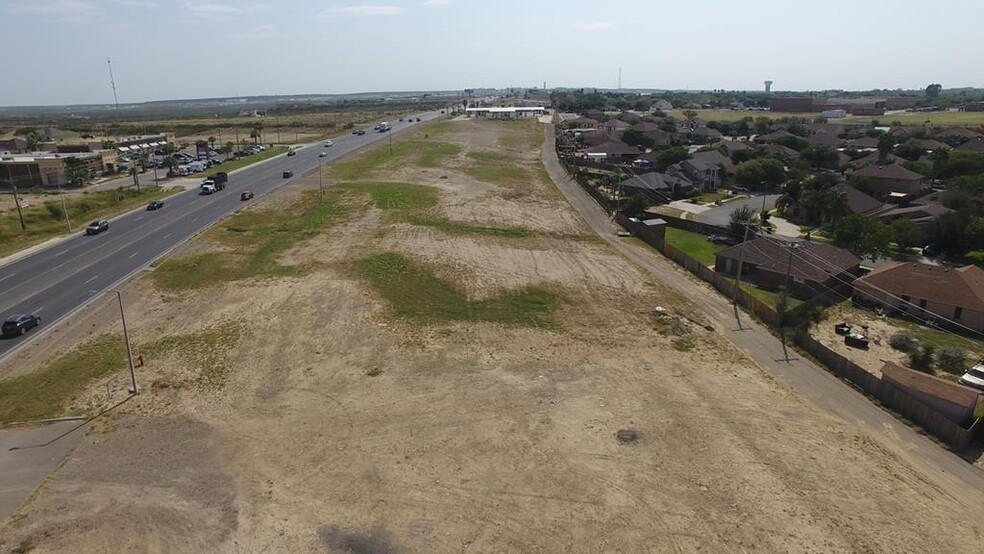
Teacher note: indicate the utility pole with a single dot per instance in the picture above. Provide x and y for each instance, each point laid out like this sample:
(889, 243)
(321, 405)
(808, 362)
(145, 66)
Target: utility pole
(741, 259)
(129, 353)
(20, 214)
(321, 188)
(782, 316)
(64, 208)
(113, 83)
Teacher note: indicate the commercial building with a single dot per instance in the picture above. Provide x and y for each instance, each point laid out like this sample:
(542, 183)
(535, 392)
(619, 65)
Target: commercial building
(506, 113)
(47, 169)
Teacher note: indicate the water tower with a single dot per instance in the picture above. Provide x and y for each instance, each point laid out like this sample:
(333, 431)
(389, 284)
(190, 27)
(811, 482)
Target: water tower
(768, 87)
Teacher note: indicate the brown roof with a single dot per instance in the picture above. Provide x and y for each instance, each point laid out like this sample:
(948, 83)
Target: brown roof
(734, 145)
(780, 150)
(864, 142)
(715, 157)
(824, 139)
(774, 136)
(873, 159)
(931, 385)
(962, 287)
(973, 145)
(857, 201)
(959, 132)
(613, 148)
(930, 144)
(812, 261)
(889, 171)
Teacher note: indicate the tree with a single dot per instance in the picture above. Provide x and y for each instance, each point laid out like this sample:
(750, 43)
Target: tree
(256, 131)
(690, 115)
(910, 150)
(934, 90)
(886, 143)
(764, 171)
(670, 156)
(939, 156)
(921, 359)
(862, 235)
(907, 233)
(796, 143)
(742, 218)
(76, 171)
(637, 138)
(34, 141)
(109, 144)
(948, 232)
(952, 359)
(823, 157)
(211, 142)
(227, 149)
(739, 156)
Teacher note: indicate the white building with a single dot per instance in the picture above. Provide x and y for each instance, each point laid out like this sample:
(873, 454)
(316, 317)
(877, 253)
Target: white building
(506, 113)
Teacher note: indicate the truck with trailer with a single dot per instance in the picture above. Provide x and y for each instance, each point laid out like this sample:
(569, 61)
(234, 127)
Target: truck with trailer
(384, 126)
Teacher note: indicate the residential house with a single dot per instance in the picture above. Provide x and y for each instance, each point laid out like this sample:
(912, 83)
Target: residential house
(656, 187)
(595, 137)
(612, 152)
(889, 178)
(780, 151)
(703, 135)
(957, 402)
(705, 176)
(973, 145)
(864, 143)
(859, 202)
(950, 296)
(773, 136)
(717, 158)
(814, 267)
(931, 145)
(13, 145)
(581, 123)
(614, 126)
(733, 146)
(920, 214)
(824, 139)
(875, 158)
(959, 133)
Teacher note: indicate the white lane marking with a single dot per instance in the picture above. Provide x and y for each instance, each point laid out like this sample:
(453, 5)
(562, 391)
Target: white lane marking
(7, 277)
(130, 257)
(167, 235)
(62, 252)
(94, 277)
(38, 310)
(194, 220)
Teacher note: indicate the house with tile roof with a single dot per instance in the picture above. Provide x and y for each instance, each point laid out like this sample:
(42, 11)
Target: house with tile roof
(929, 292)
(888, 178)
(815, 267)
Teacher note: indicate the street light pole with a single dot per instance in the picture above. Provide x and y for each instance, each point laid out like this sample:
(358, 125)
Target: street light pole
(129, 353)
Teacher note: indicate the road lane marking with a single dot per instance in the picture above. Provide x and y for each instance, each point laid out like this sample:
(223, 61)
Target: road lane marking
(167, 235)
(130, 257)
(94, 277)
(62, 252)
(194, 220)
(7, 277)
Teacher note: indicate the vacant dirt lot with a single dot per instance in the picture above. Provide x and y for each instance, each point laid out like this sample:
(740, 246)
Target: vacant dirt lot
(315, 407)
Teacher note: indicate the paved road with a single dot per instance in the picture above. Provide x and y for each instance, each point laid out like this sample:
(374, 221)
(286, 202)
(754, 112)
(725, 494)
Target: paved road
(58, 280)
(949, 472)
(721, 215)
(27, 455)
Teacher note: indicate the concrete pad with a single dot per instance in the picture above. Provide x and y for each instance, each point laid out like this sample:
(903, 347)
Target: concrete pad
(27, 456)
(785, 228)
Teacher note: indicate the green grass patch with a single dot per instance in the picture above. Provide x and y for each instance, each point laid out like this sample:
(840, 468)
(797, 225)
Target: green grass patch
(710, 197)
(205, 349)
(497, 168)
(414, 293)
(255, 240)
(47, 391)
(46, 219)
(233, 165)
(695, 245)
(422, 153)
(683, 345)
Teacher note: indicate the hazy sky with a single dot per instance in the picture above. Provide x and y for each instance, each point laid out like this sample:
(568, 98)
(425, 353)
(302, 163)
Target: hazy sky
(55, 50)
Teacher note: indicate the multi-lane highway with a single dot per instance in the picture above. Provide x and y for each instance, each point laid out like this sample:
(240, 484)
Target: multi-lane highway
(60, 279)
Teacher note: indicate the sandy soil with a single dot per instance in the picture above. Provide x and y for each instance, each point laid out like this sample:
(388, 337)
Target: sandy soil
(598, 436)
(880, 331)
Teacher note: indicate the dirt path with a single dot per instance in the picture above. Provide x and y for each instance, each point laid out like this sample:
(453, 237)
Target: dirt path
(319, 407)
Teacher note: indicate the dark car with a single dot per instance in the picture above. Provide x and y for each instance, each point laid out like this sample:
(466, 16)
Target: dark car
(97, 227)
(723, 239)
(246, 195)
(361, 132)
(288, 174)
(418, 119)
(19, 324)
(292, 153)
(155, 205)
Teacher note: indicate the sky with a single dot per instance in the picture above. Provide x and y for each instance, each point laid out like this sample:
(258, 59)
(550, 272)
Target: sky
(55, 51)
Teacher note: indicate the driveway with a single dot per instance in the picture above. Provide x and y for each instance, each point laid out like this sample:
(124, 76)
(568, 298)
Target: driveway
(929, 461)
(28, 455)
(721, 215)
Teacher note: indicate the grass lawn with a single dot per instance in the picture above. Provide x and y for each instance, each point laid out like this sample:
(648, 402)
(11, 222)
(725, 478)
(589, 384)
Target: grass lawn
(694, 244)
(422, 153)
(415, 293)
(233, 165)
(48, 391)
(769, 297)
(46, 220)
(710, 197)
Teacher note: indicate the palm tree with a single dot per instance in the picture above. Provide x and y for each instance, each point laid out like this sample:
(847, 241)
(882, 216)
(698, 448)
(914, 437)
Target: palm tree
(227, 149)
(939, 156)
(834, 205)
(886, 143)
(211, 142)
(256, 132)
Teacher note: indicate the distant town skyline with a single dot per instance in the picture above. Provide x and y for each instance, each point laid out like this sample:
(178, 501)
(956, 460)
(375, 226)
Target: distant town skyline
(205, 49)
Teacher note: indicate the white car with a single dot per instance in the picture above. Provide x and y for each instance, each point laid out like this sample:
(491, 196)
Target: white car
(974, 378)
(329, 143)
(322, 154)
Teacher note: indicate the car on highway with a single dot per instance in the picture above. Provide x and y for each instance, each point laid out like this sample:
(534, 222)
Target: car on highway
(322, 154)
(329, 143)
(155, 205)
(361, 132)
(97, 227)
(974, 378)
(291, 153)
(246, 195)
(19, 324)
(288, 174)
(418, 120)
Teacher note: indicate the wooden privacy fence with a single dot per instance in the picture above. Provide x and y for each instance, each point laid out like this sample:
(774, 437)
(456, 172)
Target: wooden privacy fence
(898, 400)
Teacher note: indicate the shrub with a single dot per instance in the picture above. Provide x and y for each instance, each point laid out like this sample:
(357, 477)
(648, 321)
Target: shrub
(903, 342)
(54, 210)
(921, 359)
(952, 359)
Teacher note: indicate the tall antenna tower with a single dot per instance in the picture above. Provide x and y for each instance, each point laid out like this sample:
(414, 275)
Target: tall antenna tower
(113, 82)
(619, 78)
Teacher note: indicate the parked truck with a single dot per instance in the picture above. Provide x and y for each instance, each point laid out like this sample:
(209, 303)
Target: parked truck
(214, 183)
